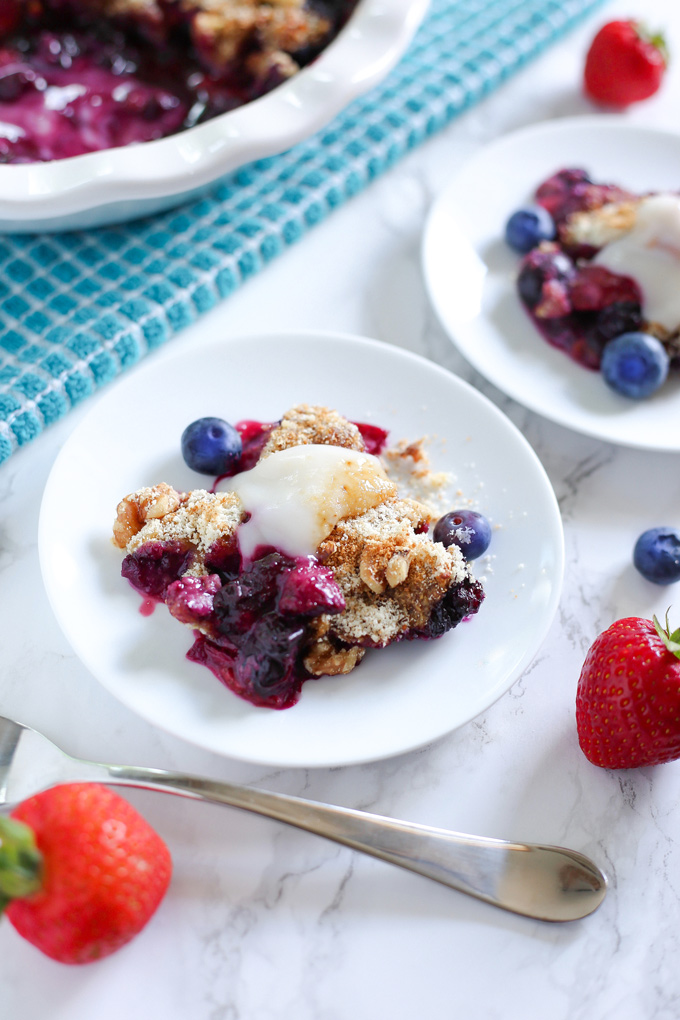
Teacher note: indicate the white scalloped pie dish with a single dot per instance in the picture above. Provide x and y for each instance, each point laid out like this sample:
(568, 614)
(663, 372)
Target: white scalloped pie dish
(121, 184)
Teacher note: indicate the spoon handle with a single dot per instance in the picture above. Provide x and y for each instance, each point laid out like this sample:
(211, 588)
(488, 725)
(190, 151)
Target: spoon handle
(544, 882)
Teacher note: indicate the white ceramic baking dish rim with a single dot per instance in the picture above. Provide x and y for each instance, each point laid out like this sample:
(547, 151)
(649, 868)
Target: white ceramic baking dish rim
(118, 184)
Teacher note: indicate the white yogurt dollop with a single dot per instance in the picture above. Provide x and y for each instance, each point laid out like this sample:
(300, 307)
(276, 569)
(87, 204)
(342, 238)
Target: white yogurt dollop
(297, 496)
(650, 254)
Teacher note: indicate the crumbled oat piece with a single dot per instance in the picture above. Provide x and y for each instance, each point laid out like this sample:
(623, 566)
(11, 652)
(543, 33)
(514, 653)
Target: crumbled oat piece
(597, 227)
(274, 30)
(307, 424)
(325, 657)
(669, 338)
(408, 465)
(136, 8)
(134, 510)
(145, 11)
(389, 570)
(197, 520)
(265, 34)
(397, 567)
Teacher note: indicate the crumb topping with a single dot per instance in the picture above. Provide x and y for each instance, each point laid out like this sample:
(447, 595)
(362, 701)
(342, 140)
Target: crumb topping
(598, 227)
(325, 657)
(199, 521)
(144, 11)
(305, 424)
(278, 28)
(390, 572)
(148, 503)
(408, 464)
(264, 34)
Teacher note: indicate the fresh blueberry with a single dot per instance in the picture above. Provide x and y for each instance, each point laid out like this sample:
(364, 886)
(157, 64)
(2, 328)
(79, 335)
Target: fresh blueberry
(657, 555)
(211, 446)
(635, 364)
(467, 529)
(526, 228)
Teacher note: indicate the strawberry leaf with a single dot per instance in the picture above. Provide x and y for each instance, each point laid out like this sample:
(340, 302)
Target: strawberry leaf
(670, 640)
(656, 39)
(20, 861)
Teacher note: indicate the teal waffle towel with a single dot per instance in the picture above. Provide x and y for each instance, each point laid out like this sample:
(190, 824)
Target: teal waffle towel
(78, 309)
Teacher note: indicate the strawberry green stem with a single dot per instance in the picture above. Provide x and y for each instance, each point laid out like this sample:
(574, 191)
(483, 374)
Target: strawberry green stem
(20, 861)
(655, 38)
(671, 639)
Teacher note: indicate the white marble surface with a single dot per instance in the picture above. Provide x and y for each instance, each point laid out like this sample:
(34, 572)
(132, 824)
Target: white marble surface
(263, 922)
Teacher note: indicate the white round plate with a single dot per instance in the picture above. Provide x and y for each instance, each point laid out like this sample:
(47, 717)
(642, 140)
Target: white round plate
(398, 698)
(470, 273)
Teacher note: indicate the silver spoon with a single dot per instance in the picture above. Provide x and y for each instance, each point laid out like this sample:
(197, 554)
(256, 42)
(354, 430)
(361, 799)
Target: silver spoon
(544, 882)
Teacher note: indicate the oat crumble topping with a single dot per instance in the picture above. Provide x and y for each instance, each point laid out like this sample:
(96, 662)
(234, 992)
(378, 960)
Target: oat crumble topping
(222, 29)
(197, 519)
(306, 424)
(361, 552)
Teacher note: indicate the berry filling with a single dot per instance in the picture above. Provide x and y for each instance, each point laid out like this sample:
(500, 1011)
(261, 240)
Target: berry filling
(577, 307)
(254, 434)
(373, 436)
(576, 304)
(154, 570)
(252, 625)
(73, 81)
(251, 628)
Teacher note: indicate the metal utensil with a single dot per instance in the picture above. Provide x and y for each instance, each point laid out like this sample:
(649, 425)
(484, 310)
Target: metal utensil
(544, 882)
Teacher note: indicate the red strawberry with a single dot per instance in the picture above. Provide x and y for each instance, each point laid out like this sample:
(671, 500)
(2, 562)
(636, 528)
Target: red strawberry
(628, 698)
(90, 879)
(624, 64)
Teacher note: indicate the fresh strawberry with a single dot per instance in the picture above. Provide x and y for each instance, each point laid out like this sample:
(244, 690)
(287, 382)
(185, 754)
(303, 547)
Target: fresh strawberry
(628, 698)
(625, 64)
(81, 872)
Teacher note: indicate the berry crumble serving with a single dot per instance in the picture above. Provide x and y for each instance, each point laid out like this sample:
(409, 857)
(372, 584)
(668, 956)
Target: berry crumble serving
(307, 558)
(79, 76)
(600, 277)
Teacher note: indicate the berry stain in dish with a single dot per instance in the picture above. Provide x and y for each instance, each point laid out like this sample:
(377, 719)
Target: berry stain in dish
(80, 76)
(307, 559)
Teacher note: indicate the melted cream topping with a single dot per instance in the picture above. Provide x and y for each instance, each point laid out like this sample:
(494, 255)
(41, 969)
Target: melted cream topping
(650, 254)
(297, 496)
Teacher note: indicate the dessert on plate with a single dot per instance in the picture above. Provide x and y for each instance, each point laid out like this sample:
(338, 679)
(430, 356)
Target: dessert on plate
(601, 263)
(78, 76)
(308, 557)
